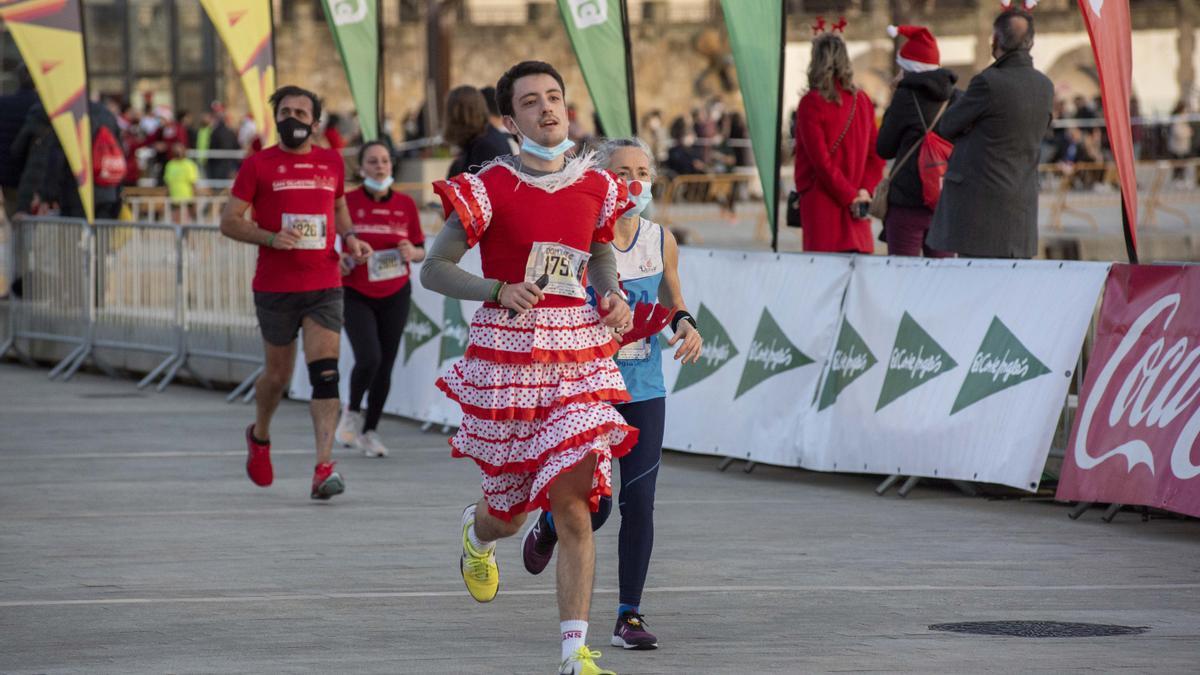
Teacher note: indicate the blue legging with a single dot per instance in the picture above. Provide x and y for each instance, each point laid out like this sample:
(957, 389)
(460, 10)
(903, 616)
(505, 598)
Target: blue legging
(639, 472)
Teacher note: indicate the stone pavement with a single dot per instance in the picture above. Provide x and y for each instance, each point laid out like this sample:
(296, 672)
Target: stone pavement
(132, 542)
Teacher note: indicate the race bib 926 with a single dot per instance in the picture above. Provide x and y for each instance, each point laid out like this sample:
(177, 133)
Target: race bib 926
(310, 227)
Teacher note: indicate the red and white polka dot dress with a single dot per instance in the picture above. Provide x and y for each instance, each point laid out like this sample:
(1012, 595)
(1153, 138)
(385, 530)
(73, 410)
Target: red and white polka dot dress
(536, 390)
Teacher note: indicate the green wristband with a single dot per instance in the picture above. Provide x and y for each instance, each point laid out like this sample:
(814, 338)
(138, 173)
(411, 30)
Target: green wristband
(271, 240)
(496, 291)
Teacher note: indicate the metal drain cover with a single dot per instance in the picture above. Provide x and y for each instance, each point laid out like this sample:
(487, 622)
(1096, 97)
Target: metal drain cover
(1039, 629)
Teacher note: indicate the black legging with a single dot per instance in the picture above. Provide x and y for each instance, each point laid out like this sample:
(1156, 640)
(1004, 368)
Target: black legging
(375, 326)
(639, 474)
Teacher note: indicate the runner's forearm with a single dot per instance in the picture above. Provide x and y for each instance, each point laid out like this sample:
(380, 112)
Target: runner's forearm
(440, 272)
(245, 231)
(602, 270)
(341, 216)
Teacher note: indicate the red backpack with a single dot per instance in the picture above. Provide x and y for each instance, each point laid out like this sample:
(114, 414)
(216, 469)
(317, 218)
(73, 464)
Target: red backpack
(108, 161)
(933, 159)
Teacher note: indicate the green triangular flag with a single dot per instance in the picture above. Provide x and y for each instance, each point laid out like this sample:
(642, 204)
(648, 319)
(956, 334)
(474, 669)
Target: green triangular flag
(718, 350)
(1002, 362)
(851, 358)
(419, 330)
(455, 331)
(771, 353)
(916, 359)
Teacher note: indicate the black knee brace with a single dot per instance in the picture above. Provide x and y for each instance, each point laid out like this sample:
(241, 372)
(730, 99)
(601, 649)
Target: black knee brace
(323, 376)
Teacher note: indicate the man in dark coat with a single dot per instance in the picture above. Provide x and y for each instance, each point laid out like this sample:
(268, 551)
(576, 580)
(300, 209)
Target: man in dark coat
(988, 207)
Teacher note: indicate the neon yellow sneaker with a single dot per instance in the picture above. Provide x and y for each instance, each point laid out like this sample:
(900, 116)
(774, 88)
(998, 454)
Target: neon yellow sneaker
(479, 570)
(583, 662)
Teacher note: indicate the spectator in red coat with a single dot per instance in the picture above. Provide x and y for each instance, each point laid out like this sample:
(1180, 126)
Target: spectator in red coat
(837, 167)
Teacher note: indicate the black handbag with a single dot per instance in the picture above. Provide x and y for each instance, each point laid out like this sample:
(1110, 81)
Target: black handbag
(793, 210)
(793, 201)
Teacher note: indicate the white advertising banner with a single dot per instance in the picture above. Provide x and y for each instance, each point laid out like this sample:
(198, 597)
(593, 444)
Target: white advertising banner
(769, 321)
(952, 369)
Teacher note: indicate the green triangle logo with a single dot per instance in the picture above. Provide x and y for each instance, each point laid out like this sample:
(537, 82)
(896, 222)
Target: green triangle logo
(771, 353)
(851, 358)
(419, 330)
(916, 359)
(717, 351)
(1002, 362)
(454, 331)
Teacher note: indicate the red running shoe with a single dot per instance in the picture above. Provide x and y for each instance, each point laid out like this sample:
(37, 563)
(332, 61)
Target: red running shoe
(258, 463)
(326, 482)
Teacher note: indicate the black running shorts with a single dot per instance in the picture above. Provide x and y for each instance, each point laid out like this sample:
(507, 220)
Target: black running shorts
(280, 314)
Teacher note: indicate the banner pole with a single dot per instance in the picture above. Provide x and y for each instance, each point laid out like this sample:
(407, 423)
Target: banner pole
(379, 79)
(1130, 248)
(87, 99)
(779, 126)
(633, 120)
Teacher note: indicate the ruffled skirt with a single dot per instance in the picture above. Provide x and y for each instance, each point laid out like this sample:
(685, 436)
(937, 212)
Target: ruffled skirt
(536, 394)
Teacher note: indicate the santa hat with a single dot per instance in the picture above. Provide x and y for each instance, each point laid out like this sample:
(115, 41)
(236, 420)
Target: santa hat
(920, 52)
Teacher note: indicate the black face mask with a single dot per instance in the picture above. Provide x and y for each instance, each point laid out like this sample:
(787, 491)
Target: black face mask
(293, 133)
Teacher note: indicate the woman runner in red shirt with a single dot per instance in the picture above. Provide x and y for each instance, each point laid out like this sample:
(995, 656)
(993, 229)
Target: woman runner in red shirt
(376, 293)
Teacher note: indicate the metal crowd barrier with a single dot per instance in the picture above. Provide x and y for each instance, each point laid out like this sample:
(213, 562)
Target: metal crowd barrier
(153, 205)
(1077, 192)
(52, 258)
(160, 208)
(683, 199)
(178, 291)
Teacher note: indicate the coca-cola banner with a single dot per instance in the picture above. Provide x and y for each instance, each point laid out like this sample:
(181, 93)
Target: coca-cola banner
(953, 368)
(1136, 430)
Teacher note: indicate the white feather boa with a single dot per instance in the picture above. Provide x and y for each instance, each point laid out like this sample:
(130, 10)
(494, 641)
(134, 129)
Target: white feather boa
(572, 172)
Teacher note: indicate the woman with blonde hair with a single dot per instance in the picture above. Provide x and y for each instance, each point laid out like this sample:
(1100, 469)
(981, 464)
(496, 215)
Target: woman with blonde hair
(467, 128)
(837, 167)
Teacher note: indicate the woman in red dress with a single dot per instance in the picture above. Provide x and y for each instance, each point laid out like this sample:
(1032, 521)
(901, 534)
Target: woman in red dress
(837, 167)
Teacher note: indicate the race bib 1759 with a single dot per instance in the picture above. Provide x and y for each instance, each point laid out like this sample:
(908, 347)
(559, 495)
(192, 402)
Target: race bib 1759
(562, 264)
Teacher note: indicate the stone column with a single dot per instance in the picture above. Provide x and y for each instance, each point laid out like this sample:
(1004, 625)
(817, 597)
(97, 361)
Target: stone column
(985, 14)
(1189, 16)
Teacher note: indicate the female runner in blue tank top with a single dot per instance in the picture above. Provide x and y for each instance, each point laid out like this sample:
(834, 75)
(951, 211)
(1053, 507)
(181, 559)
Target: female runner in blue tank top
(648, 264)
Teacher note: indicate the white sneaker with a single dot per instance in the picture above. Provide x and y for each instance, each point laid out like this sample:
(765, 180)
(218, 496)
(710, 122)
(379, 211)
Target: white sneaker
(371, 446)
(349, 428)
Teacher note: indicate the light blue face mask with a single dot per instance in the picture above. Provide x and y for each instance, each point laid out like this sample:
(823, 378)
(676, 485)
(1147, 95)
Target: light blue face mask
(641, 200)
(378, 185)
(540, 151)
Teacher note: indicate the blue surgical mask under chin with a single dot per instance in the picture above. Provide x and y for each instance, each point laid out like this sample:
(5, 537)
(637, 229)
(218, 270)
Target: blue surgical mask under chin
(640, 201)
(540, 151)
(378, 185)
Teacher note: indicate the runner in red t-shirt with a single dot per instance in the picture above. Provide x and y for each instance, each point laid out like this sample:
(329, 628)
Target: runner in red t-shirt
(377, 293)
(296, 192)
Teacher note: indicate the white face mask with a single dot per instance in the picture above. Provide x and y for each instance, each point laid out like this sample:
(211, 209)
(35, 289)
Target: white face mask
(378, 185)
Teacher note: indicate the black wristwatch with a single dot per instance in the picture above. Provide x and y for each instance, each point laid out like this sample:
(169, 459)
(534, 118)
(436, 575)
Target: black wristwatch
(682, 315)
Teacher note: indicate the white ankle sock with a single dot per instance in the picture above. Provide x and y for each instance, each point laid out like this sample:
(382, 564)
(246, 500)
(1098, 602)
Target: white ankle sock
(574, 636)
(479, 545)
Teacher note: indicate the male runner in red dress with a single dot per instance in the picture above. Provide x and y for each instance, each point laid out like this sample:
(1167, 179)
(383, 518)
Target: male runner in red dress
(537, 381)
